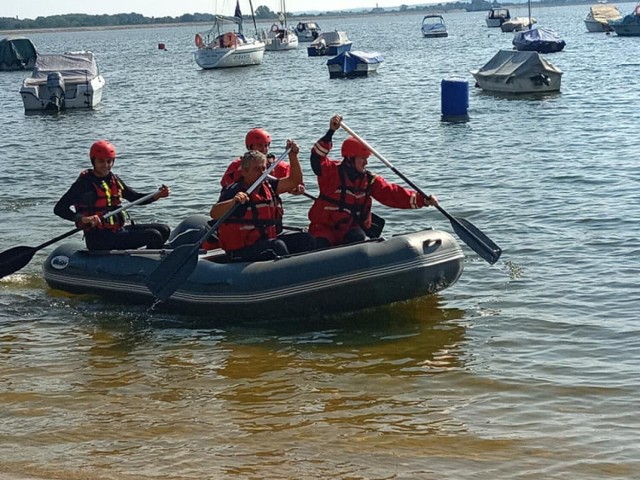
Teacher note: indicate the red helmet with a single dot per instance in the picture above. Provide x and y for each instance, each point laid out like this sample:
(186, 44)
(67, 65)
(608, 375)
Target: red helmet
(256, 135)
(102, 149)
(352, 147)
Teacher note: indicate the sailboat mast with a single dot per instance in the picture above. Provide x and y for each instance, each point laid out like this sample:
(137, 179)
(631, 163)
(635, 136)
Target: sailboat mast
(254, 17)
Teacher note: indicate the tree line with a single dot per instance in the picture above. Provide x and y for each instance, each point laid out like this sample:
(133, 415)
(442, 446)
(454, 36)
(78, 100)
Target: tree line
(78, 20)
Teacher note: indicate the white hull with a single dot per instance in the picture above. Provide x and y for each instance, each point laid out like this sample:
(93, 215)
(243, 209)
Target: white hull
(239, 56)
(86, 93)
(516, 24)
(290, 42)
(597, 27)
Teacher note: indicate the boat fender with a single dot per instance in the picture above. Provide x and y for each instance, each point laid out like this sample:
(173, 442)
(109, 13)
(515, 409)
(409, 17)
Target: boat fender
(274, 28)
(199, 41)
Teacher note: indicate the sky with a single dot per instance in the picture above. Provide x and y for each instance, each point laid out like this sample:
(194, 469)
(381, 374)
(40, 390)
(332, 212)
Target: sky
(172, 8)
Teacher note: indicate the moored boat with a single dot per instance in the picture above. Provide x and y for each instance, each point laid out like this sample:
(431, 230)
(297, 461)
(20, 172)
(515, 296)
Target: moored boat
(517, 24)
(541, 40)
(512, 71)
(354, 64)
(17, 53)
(225, 45)
(335, 280)
(497, 16)
(629, 25)
(280, 37)
(433, 26)
(597, 20)
(307, 31)
(330, 43)
(63, 81)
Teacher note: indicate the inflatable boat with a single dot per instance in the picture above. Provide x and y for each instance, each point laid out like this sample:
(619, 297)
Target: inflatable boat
(329, 281)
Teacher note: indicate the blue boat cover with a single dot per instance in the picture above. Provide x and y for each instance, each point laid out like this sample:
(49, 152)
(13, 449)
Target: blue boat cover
(541, 40)
(349, 60)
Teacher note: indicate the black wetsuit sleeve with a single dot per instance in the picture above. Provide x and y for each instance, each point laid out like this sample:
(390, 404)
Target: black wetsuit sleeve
(76, 192)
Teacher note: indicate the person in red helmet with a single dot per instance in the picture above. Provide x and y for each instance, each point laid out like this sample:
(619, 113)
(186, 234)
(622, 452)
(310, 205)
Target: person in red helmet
(96, 192)
(257, 139)
(251, 232)
(342, 212)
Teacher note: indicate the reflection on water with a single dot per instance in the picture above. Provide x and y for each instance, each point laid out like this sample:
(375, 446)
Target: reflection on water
(116, 387)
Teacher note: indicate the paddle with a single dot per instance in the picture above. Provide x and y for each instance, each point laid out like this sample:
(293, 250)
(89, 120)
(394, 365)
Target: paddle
(15, 258)
(174, 270)
(468, 233)
(377, 222)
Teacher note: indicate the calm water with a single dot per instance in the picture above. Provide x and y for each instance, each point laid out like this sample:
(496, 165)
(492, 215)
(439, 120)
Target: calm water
(528, 369)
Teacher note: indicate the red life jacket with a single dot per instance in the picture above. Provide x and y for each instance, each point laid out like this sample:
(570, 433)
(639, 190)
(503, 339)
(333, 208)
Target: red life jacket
(342, 202)
(109, 195)
(259, 221)
(234, 175)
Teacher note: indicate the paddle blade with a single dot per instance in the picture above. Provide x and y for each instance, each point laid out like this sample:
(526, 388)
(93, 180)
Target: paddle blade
(14, 259)
(476, 240)
(173, 271)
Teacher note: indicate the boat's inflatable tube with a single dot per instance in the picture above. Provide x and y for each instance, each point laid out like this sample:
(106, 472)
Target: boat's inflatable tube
(335, 280)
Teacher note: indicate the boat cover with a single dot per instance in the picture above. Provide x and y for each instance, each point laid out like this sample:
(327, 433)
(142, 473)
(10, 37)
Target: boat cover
(513, 63)
(71, 65)
(332, 38)
(542, 40)
(604, 12)
(631, 19)
(351, 59)
(17, 53)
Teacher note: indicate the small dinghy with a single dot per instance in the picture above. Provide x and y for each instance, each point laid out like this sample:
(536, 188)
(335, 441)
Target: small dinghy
(335, 280)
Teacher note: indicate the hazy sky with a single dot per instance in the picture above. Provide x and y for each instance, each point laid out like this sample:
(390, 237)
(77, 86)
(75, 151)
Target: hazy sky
(173, 8)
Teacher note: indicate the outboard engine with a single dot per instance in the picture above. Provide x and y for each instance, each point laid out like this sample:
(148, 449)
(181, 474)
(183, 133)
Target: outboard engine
(55, 86)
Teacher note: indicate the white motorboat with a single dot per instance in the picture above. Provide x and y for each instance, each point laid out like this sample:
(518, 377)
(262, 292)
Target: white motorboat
(63, 81)
(280, 37)
(497, 16)
(307, 31)
(513, 72)
(597, 19)
(330, 43)
(434, 26)
(224, 46)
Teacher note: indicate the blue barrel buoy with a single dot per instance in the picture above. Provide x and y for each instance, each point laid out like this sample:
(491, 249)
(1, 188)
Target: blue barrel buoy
(454, 100)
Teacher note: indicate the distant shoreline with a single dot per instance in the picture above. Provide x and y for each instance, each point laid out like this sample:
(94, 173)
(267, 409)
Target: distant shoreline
(310, 18)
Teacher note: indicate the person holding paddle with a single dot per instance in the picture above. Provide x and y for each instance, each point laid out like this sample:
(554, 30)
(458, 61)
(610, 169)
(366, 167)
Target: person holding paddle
(260, 140)
(342, 212)
(251, 231)
(96, 192)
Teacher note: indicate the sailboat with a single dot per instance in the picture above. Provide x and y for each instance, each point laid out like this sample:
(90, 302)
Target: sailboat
(280, 37)
(541, 40)
(225, 45)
